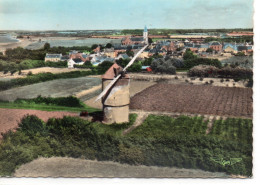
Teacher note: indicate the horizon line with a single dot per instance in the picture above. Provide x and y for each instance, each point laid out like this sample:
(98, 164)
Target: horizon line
(126, 29)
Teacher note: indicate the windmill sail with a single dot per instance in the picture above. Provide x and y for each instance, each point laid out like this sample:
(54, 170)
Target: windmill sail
(118, 76)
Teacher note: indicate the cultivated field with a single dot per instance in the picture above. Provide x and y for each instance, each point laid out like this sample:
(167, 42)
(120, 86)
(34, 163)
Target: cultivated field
(54, 88)
(10, 118)
(197, 99)
(38, 70)
(69, 167)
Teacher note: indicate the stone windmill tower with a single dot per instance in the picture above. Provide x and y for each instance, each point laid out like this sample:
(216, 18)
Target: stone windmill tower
(115, 95)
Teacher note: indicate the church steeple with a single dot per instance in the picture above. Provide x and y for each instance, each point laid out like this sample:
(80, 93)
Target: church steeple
(145, 29)
(145, 35)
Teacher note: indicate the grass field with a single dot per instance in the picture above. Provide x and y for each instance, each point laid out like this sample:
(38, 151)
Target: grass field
(11, 105)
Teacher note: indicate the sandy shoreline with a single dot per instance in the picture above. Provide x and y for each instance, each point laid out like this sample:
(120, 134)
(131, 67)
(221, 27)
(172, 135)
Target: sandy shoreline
(24, 42)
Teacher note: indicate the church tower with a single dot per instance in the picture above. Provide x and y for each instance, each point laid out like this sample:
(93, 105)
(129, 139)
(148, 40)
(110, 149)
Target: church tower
(145, 35)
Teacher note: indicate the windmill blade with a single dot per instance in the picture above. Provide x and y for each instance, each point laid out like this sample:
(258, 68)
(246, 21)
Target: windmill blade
(118, 76)
(108, 87)
(133, 59)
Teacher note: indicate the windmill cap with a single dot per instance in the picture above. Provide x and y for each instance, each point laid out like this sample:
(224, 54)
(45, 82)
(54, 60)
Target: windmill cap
(110, 74)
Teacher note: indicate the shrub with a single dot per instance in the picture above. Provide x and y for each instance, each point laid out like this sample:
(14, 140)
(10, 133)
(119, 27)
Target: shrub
(203, 71)
(60, 64)
(29, 73)
(60, 101)
(103, 67)
(237, 72)
(250, 83)
(161, 140)
(201, 61)
(31, 125)
(135, 67)
(163, 66)
(211, 71)
(130, 155)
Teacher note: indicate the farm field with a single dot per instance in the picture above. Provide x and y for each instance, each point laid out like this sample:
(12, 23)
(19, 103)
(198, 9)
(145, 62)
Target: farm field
(54, 88)
(39, 70)
(10, 118)
(198, 99)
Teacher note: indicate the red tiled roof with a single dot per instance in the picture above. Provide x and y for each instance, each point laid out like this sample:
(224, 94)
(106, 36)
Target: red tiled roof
(78, 55)
(109, 74)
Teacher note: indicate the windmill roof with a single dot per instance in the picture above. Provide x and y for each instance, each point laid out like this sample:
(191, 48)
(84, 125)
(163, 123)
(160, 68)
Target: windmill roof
(109, 74)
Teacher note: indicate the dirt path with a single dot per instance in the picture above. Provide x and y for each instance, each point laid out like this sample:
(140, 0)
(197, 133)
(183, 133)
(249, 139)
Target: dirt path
(141, 116)
(69, 167)
(10, 118)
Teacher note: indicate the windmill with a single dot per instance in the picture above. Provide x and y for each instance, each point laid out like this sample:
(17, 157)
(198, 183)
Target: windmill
(115, 95)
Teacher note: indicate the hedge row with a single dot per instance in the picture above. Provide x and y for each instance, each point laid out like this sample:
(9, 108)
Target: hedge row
(60, 101)
(228, 72)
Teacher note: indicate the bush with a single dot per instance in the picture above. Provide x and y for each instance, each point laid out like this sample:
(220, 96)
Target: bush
(103, 67)
(161, 140)
(29, 73)
(31, 125)
(211, 71)
(237, 72)
(29, 64)
(201, 61)
(135, 67)
(203, 71)
(61, 101)
(163, 66)
(60, 64)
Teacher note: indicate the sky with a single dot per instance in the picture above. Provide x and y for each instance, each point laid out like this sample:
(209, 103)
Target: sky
(124, 14)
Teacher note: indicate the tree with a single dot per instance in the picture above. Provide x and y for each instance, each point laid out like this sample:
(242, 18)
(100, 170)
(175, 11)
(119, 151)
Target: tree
(209, 50)
(122, 62)
(189, 55)
(147, 61)
(150, 40)
(94, 46)
(47, 46)
(240, 54)
(104, 66)
(130, 53)
(108, 45)
(135, 67)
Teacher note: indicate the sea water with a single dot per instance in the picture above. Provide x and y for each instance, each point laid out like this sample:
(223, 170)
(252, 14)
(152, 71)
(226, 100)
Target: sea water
(6, 38)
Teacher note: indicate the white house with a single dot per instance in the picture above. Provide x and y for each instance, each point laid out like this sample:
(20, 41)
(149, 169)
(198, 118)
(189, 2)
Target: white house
(52, 57)
(72, 62)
